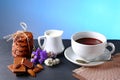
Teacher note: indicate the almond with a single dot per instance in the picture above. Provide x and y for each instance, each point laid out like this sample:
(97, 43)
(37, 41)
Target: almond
(36, 69)
(40, 66)
(31, 72)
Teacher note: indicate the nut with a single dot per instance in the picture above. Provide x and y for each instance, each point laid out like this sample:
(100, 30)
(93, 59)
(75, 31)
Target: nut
(57, 61)
(36, 69)
(49, 62)
(40, 66)
(31, 72)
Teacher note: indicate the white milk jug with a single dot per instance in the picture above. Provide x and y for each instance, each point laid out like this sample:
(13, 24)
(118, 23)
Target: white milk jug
(52, 41)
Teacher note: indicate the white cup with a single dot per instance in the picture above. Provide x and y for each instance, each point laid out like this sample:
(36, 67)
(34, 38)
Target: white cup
(89, 52)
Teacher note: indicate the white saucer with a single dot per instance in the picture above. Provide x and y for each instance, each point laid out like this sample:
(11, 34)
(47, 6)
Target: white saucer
(72, 57)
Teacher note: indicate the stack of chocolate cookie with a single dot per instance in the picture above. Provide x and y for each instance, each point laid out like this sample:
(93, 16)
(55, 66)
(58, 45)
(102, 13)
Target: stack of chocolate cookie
(22, 44)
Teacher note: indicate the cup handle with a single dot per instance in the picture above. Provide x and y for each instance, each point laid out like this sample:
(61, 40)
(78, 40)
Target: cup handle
(44, 41)
(112, 46)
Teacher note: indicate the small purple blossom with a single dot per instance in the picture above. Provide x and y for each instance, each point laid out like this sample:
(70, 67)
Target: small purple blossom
(34, 52)
(40, 61)
(43, 55)
(36, 57)
(39, 56)
(33, 60)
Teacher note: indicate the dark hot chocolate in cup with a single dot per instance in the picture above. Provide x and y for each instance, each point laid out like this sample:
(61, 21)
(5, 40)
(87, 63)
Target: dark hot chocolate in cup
(89, 41)
(90, 45)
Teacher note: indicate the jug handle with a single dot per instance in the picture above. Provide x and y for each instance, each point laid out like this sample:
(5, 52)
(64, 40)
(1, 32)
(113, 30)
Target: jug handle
(44, 41)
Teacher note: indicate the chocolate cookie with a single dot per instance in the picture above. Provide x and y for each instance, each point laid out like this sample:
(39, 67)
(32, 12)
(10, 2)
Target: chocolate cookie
(20, 53)
(22, 44)
(22, 36)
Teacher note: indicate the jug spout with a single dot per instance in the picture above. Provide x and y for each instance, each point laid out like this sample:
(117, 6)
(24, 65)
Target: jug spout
(54, 33)
(60, 32)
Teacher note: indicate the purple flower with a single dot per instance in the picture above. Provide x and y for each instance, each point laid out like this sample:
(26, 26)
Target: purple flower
(39, 56)
(35, 57)
(34, 52)
(40, 61)
(43, 55)
(33, 60)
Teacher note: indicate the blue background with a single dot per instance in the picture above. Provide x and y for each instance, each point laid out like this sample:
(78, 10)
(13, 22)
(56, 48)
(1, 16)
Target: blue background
(68, 15)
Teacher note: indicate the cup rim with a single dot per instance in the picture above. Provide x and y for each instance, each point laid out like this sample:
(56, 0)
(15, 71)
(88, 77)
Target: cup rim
(103, 41)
